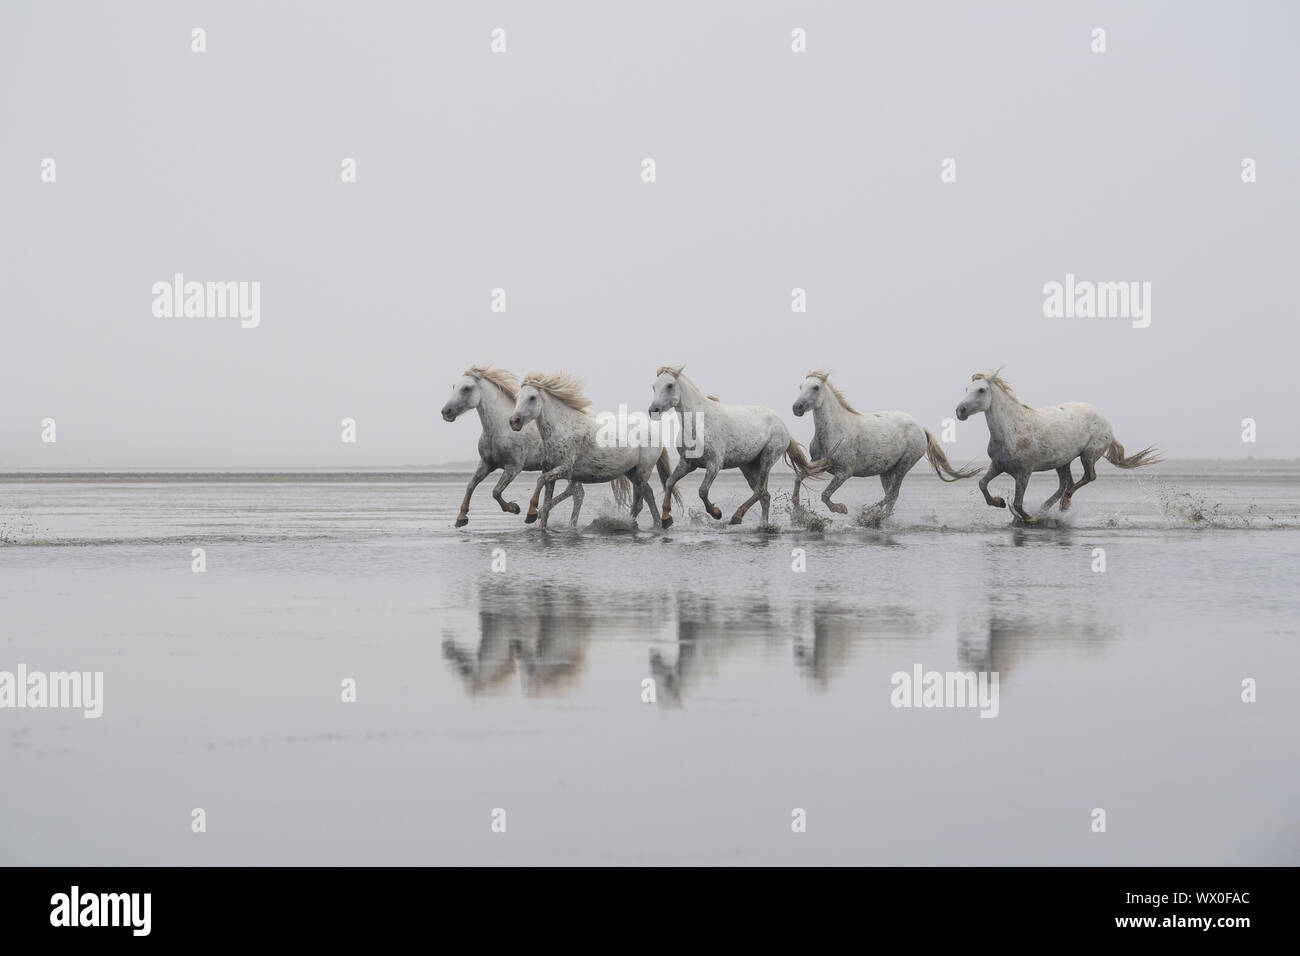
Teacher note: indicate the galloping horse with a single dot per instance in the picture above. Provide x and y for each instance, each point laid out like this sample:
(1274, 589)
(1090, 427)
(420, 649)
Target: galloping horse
(748, 437)
(887, 444)
(572, 446)
(492, 391)
(1023, 440)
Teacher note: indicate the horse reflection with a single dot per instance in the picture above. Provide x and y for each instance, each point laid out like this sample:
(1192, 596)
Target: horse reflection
(1006, 631)
(708, 630)
(540, 635)
(837, 629)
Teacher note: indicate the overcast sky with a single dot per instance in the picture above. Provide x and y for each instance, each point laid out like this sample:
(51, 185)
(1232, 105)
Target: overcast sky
(522, 170)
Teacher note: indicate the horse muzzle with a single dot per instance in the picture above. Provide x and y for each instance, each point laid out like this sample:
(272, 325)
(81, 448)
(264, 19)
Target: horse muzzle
(798, 409)
(516, 423)
(448, 415)
(654, 412)
(962, 414)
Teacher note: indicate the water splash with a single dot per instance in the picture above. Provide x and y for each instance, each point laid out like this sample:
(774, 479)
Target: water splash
(1194, 509)
(19, 529)
(872, 517)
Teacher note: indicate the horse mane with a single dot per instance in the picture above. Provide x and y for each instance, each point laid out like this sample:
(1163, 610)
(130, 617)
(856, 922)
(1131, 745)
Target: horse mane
(834, 391)
(676, 372)
(496, 376)
(562, 387)
(997, 379)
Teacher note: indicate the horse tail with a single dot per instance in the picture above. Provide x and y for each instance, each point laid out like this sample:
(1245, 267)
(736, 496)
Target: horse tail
(1147, 456)
(808, 470)
(622, 491)
(939, 461)
(665, 472)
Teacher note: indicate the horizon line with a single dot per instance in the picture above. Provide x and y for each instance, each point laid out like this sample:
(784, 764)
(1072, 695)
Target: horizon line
(459, 465)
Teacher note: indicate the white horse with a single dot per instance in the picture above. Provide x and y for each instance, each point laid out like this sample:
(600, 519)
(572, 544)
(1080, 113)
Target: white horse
(572, 446)
(887, 444)
(1023, 440)
(492, 391)
(717, 436)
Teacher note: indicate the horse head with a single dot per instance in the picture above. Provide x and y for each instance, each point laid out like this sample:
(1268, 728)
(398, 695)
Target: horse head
(667, 391)
(465, 394)
(811, 394)
(979, 396)
(528, 406)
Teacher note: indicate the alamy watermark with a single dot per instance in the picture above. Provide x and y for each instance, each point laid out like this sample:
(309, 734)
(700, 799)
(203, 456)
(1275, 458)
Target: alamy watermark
(208, 300)
(83, 690)
(75, 908)
(946, 689)
(627, 429)
(1084, 299)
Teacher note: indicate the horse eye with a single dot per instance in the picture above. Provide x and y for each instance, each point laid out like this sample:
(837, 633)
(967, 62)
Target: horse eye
(464, 388)
(816, 388)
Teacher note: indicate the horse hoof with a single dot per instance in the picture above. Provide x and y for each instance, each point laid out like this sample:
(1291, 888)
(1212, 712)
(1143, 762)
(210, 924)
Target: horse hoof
(461, 522)
(736, 519)
(840, 509)
(716, 513)
(666, 522)
(1065, 504)
(512, 507)
(999, 503)
(529, 519)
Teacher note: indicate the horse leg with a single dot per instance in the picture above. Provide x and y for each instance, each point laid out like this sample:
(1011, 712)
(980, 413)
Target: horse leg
(552, 502)
(710, 472)
(637, 503)
(1018, 505)
(884, 486)
(509, 474)
(1063, 473)
(798, 485)
(1089, 474)
(578, 494)
(893, 482)
(890, 481)
(751, 473)
(532, 502)
(648, 496)
(833, 486)
(480, 473)
(640, 485)
(989, 475)
(545, 480)
(684, 466)
(546, 505)
(766, 500)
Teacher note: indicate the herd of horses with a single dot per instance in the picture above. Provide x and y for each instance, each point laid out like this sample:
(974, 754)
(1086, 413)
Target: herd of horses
(545, 424)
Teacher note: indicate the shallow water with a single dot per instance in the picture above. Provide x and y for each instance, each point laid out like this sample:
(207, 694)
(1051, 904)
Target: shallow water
(523, 689)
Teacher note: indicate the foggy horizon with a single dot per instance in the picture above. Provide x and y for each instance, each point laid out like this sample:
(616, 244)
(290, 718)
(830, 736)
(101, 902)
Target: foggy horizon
(775, 171)
(467, 465)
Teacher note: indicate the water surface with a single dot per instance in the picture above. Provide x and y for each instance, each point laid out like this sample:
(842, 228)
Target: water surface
(523, 689)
